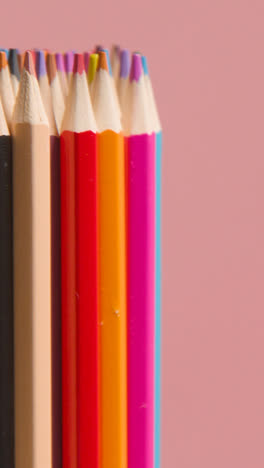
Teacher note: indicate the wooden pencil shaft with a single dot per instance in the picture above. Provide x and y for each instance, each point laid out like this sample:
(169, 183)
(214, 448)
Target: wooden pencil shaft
(32, 295)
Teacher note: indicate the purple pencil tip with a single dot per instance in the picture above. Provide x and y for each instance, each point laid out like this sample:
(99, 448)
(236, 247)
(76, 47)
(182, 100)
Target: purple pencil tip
(40, 63)
(68, 60)
(124, 63)
(136, 68)
(60, 62)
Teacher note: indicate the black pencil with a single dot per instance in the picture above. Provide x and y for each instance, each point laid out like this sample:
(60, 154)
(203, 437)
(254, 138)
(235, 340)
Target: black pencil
(6, 300)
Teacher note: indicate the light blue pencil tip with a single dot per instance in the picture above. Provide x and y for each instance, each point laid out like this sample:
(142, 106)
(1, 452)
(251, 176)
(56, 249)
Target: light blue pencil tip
(145, 64)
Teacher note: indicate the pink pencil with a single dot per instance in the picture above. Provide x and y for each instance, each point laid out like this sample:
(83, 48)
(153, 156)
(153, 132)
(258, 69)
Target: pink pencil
(140, 169)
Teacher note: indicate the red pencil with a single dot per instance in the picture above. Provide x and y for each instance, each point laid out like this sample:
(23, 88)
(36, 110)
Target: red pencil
(80, 129)
(68, 302)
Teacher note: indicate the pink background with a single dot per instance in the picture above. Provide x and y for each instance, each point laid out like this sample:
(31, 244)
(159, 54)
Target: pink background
(207, 64)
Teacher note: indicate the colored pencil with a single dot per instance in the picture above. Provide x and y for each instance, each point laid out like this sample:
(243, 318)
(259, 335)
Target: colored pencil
(45, 92)
(20, 57)
(6, 300)
(68, 302)
(115, 61)
(68, 61)
(14, 69)
(80, 127)
(122, 83)
(86, 56)
(6, 51)
(140, 185)
(158, 151)
(62, 75)
(112, 273)
(93, 62)
(6, 89)
(32, 275)
(58, 100)
(112, 80)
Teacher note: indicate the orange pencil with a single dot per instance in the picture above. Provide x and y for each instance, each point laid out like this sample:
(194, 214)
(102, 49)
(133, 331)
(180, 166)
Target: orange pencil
(112, 273)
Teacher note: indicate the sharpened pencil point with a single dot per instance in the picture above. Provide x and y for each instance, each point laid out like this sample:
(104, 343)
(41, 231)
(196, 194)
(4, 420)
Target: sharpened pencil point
(124, 63)
(69, 57)
(6, 51)
(144, 64)
(3, 60)
(102, 61)
(108, 60)
(51, 67)
(93, 63)
(40, 64)
(60, 62)
(29, 64)
(13, 63)
(136, 68)
(86, 56)
(98, 48)
(78, 66)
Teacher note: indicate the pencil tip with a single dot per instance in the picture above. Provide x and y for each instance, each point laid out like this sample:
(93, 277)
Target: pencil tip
(13, 63)
(144, 64)
(102, 61)
(6, 51)
(3, 59)
(29, 64)
(69, 57)
(51, 66)
(108, 60)
(136, 67)
(78, 66)
(86, 56)
(60, 62)
(124, 63)
(98, 48)
(40, 63)
(93, 62)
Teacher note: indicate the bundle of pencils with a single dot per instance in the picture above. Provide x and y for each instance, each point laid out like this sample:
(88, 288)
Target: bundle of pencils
(80, 260)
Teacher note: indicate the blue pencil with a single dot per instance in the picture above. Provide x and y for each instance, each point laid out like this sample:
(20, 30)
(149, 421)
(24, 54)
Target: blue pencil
(158, 169)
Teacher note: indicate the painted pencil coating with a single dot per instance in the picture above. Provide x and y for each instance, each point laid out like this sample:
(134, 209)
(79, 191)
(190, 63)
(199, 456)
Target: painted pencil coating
(112, 283)
(87, 298)
(6, 307)
(56, 301)
(140, 169)
(68, 302)
(157, 410)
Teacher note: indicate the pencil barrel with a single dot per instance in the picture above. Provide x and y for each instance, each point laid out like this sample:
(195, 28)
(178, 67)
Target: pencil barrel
(113, 315)
(6, 307)
(140, 186)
